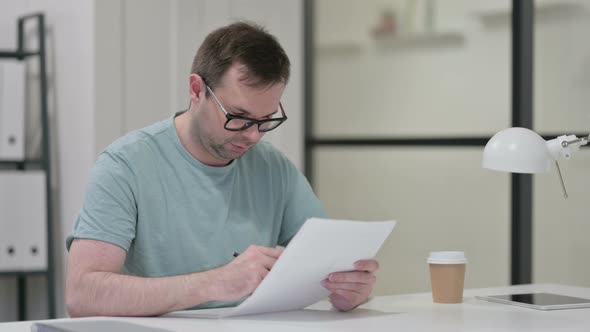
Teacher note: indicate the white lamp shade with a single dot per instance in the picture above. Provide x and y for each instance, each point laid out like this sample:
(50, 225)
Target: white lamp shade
(517, 150)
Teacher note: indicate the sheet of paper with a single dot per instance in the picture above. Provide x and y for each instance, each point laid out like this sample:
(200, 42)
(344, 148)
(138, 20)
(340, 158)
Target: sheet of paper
(321, 246)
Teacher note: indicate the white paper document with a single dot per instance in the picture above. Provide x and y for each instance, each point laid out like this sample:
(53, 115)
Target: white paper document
(321, 246)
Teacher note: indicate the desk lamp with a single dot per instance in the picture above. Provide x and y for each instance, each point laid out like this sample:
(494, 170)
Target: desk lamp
(521, 150)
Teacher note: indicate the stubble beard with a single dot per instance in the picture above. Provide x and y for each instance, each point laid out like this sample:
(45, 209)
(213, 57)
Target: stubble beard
(219, 151)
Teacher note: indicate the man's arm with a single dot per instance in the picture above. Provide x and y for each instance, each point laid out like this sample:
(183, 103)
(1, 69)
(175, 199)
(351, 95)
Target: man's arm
(96, 287)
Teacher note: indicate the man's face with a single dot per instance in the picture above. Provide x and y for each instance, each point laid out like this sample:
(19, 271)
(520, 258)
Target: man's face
(238, 99)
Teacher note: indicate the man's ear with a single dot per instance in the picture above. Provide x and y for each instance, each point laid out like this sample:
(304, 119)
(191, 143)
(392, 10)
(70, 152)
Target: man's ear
(197, 88)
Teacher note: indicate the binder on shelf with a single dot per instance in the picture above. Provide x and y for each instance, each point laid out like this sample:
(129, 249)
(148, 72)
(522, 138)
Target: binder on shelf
(24, 219)
(9, 253)
(12, 110)
(23, 239)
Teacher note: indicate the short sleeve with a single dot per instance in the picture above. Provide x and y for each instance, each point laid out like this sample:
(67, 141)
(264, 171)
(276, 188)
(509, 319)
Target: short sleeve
(302, 203)
(109, 211)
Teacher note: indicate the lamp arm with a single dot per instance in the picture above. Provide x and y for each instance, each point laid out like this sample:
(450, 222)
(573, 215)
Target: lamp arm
(563, 146)
(581, 140)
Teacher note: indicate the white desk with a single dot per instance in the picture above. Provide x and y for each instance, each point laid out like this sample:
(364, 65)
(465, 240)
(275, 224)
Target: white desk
(413, 312)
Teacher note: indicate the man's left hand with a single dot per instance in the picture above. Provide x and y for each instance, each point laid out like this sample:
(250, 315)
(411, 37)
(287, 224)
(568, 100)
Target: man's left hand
(351, 289)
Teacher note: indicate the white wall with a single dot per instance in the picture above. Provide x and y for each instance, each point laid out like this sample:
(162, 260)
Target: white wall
(71, 101)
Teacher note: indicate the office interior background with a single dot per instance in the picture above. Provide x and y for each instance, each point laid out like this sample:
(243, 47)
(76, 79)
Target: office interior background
(435, 73)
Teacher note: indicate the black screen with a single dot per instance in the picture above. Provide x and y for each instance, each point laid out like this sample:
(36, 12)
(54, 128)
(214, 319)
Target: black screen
(542, 299)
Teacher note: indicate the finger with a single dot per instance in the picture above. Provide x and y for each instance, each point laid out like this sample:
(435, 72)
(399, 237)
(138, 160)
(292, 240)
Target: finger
(271, 252)
(266, 261)
(255, 258)
(260, 275)
(369, 265)
(350, 286)
(341, 303)
(266, 255)
(354, 276)
(257, 278)
(352, 298)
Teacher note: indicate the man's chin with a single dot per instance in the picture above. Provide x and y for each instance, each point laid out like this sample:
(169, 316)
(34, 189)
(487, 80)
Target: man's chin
(231, 155)
(230, 152)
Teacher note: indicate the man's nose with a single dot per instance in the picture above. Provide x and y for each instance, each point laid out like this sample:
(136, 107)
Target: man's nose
(252, 134)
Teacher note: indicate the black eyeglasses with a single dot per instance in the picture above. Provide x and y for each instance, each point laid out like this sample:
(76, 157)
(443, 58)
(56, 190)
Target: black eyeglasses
(238, 123)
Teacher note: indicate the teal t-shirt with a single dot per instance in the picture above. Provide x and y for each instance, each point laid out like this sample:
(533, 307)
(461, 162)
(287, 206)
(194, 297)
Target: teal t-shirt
(174, 215)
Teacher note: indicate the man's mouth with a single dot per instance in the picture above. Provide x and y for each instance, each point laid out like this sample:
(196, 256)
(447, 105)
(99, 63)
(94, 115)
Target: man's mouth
(239, 148)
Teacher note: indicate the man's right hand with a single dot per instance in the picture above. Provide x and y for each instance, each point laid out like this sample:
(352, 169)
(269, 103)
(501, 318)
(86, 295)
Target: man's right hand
(241, 276)
(97, 286)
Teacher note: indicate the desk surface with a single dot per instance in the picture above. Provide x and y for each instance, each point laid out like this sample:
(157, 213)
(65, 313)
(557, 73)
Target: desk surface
(412, 312)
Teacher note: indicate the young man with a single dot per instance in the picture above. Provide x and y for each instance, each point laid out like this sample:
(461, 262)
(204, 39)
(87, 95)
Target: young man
(168, 205)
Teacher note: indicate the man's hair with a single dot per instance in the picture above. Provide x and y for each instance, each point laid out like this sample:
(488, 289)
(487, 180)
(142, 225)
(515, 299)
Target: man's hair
(245, 43)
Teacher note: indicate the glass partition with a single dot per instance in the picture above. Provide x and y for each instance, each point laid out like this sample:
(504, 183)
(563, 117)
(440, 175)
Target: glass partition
(449, 77)
(441, 199)
(405, 94)
(562, 106)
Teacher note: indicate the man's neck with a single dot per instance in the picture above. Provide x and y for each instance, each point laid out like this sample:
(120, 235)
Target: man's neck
(182, 124)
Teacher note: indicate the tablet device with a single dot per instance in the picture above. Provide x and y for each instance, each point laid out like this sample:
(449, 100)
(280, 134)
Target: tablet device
(539, 301)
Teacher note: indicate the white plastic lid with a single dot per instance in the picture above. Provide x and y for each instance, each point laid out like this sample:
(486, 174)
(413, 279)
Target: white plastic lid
(447, 257)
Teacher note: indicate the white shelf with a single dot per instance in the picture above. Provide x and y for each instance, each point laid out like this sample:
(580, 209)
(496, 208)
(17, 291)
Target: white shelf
(338, 47)
(425, 39)
(543, 10)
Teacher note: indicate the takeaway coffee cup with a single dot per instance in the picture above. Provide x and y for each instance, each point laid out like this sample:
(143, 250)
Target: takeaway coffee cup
(447, 274)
